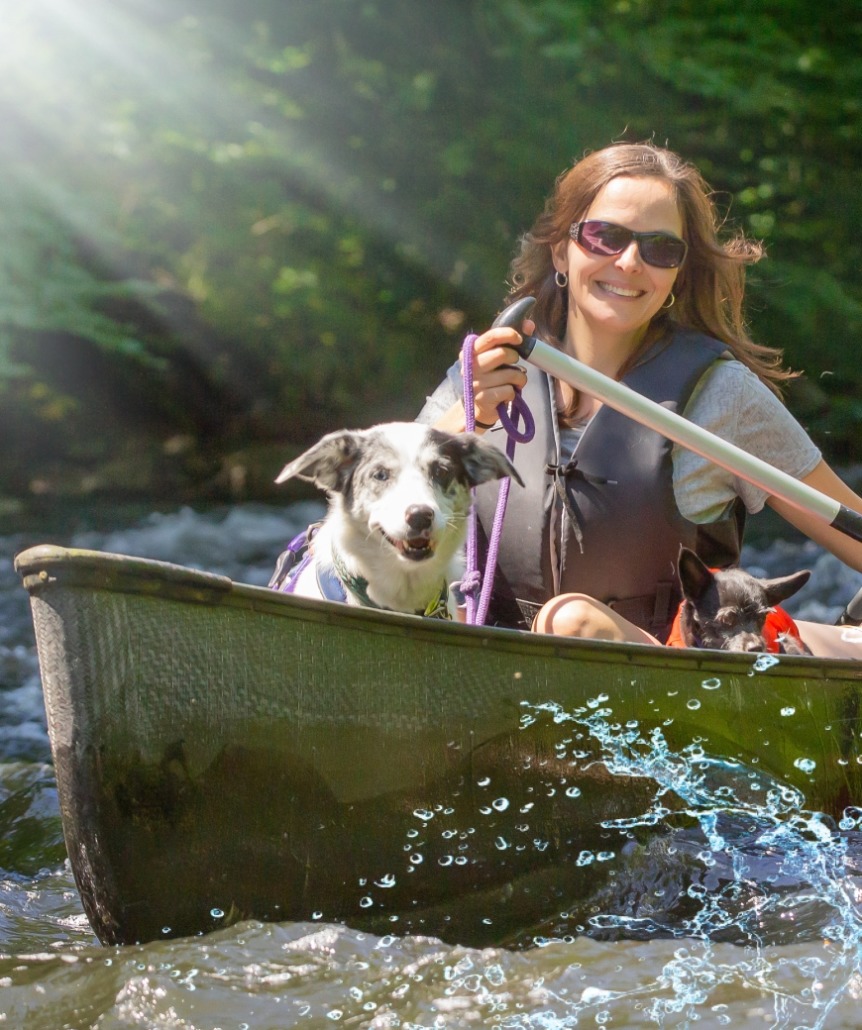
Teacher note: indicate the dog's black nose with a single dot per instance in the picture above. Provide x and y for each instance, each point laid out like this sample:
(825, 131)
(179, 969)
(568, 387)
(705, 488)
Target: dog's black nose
(419, 517)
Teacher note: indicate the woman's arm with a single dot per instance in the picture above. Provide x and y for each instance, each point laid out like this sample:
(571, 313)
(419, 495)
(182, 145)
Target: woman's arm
(822, 478)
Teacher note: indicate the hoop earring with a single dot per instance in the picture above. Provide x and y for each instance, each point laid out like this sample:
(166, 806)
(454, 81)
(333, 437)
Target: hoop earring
(561, 279)
(667, 306)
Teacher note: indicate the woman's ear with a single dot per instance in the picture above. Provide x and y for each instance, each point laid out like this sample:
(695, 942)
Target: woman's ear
(560, 255)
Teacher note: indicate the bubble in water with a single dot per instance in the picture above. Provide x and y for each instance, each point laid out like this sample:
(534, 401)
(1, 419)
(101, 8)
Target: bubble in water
(423, 814)
(573, 792)
(693, 704)
(711, 684)
(805, 764)
(788, 711)
(385, 881)
(365, 902)
(216, 913)
(764, 662)
(501, 804)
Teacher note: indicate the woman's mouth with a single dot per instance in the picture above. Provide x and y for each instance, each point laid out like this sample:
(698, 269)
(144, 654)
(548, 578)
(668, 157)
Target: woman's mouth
(619, 291)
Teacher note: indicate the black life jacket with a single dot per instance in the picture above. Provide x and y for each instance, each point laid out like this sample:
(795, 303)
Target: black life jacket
(606, 523)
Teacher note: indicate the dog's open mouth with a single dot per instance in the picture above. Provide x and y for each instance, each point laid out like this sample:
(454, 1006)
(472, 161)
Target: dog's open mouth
(413, 548)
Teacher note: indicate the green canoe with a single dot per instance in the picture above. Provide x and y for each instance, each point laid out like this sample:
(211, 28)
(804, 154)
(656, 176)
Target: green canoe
(225, 752)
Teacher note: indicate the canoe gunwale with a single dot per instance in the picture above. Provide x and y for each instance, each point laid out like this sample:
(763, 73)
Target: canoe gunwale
(47, 564)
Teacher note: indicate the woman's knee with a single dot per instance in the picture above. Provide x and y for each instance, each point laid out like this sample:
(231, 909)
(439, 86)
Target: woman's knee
(575, 615)
(579, 615)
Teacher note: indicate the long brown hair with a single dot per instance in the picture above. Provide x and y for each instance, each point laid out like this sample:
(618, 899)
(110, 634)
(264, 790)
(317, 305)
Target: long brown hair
(710, 287)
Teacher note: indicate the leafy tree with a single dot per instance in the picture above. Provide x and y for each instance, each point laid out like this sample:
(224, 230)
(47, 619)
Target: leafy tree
(272, 218)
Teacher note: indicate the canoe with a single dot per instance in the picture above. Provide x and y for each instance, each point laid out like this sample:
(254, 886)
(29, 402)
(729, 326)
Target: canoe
(224, 752)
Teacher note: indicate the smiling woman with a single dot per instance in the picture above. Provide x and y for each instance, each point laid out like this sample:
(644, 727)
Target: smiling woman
(631, 279)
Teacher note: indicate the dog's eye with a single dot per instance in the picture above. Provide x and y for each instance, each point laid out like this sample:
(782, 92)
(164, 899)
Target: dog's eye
(441, 472)
(380, 473)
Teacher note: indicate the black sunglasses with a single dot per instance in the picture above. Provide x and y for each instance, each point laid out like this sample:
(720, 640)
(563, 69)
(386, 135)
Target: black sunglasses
(661, 249)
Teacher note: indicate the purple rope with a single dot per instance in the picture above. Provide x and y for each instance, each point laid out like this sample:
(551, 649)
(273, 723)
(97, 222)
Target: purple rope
(509, 418)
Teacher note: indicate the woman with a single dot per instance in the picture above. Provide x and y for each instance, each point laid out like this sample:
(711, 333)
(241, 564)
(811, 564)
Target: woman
(631, 279)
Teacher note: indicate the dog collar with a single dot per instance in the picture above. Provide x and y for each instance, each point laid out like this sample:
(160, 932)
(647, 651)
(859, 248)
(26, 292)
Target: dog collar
(437, 607)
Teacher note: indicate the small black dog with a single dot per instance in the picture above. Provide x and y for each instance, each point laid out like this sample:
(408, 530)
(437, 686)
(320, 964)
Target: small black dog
(728, 609)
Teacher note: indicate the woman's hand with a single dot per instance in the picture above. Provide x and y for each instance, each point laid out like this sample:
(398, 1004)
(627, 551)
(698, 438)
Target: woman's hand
(496, 372)
(496, 375)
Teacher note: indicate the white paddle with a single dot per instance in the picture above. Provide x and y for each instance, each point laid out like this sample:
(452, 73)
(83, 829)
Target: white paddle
(676, 428)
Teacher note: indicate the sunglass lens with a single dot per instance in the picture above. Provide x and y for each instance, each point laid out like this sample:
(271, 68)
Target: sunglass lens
(661, 250)
(605, 238)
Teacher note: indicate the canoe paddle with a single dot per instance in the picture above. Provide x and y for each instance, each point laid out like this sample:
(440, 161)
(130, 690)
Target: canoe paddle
(724, 454)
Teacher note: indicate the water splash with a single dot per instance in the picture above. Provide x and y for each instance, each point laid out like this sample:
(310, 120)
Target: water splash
(766, 870)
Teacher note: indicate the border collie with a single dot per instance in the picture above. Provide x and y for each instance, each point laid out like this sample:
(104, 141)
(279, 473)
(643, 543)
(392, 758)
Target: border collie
(399, 496)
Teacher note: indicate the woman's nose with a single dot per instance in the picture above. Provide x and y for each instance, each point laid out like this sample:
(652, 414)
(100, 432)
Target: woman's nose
(630, 257)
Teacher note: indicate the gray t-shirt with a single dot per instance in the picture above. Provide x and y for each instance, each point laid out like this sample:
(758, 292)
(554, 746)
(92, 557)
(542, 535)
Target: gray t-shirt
(729, 401)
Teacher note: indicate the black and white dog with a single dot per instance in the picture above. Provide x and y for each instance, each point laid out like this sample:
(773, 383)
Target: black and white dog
(399, 496)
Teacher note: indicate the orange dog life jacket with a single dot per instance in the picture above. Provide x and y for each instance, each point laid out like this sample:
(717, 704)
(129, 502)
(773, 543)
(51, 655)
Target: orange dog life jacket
(778, 623)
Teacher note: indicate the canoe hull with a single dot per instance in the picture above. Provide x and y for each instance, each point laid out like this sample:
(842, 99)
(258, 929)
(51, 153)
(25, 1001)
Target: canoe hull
(225, 752)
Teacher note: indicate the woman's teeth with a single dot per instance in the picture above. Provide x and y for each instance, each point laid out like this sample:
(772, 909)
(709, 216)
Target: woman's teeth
(620, 291)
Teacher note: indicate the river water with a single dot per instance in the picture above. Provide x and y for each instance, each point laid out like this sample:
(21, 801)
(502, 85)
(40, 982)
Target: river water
(802, 879)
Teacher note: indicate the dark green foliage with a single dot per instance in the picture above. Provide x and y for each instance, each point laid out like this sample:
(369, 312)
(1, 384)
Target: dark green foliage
(272, 218)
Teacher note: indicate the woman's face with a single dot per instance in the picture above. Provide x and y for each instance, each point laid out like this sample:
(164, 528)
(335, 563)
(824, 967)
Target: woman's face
(618, 295)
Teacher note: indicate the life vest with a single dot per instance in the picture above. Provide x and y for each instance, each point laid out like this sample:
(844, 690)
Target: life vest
(606, 523)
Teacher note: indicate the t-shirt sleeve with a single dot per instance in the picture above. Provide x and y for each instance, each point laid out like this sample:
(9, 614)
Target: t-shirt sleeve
(441, 400)
(733, 403)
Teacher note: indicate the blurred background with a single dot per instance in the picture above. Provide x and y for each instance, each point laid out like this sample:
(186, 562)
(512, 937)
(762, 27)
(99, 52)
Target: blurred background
(229, 226)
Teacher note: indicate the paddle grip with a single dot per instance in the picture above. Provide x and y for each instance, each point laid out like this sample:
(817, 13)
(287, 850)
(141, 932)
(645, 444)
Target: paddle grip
(512, 317)
(849, 522)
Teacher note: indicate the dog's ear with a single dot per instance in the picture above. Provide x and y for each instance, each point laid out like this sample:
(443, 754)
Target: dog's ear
(780, 589)
(694, 576)
(329, 463)
(480, 460)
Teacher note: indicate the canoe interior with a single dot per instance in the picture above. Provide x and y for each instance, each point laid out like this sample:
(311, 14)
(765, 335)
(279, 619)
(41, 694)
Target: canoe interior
(225, 752)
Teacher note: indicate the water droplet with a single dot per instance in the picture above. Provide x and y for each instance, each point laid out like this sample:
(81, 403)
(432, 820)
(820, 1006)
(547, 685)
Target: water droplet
(423, 814)
(216, 913)
(484, 782)
(805, 764)
(366, 902)
(501, 844)
(385, 881)
(501, 804)
(711, 684)
(573, 792)
(693, 704)
(445, 860)
(789, 710)
(764, 662)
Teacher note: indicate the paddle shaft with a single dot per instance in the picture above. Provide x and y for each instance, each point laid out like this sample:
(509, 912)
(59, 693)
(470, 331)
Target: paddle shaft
(724, 454)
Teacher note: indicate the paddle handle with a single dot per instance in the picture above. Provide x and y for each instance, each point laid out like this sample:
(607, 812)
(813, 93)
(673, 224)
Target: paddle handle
(678, 429)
